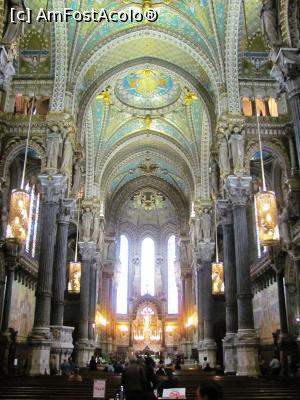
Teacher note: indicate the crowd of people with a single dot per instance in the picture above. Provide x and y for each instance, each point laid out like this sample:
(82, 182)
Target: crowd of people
(142, 380)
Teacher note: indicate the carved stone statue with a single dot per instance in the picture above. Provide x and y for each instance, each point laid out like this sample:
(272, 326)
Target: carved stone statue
(284, 227)
(214, 173)
(237, 145)
(224, 157)
(158, 278)
(206, 225)
(87, 219)
(293, 204)
(7, 70)
(136, 286)
(54, 147)
(268, 15)
(96, 228)
(111, 250)
(14, 29)
(192, 234)
(67, 159)
(101, 236)
(198, 230)
(77, 176)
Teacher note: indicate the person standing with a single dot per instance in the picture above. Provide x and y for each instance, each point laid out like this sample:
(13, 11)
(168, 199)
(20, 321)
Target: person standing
(134, 381)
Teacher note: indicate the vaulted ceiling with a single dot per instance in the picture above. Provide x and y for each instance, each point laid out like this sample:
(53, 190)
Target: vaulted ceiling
(150, 93)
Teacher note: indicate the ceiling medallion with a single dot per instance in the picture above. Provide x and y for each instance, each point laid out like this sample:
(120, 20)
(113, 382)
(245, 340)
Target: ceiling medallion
(148, 90)
(148, 167)
(148, 201)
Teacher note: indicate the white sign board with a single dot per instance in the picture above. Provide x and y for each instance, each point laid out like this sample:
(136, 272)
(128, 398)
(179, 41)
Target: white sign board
(175, 393)
(99, 389)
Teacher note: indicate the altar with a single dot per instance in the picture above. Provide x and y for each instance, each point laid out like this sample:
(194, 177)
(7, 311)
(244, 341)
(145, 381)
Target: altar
(147, 329)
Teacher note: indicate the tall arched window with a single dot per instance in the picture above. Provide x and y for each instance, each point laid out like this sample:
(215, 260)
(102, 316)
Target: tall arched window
(147, 267)
(172, 286)
(122, 290)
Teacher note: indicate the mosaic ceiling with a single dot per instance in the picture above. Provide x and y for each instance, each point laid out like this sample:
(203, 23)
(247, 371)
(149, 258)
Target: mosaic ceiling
(147, 89)
(162, 82)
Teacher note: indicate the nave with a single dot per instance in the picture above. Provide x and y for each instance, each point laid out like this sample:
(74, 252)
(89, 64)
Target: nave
(57, 388)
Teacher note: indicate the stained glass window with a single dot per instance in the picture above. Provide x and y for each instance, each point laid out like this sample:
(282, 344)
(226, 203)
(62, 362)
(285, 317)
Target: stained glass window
(122, 289)
(34, 210)
(172, 286)
(148, 267)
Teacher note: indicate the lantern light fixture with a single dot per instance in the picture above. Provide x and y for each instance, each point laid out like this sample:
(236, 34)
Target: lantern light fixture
(19, 209)
(75, 266)
(217, 266)
(266, 207)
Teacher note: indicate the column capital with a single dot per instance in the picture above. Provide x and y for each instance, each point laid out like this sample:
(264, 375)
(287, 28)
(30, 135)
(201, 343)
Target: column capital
(224, 212)
(286, 71)
(65, 209)
(87, 250)
(238, 190)
(12, 252)
(52, 187)
(206, 251)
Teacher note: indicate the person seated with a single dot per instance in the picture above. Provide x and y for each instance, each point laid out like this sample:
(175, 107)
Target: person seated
(65, 368)
(206, 366)
(161, 371)
(93, 364)
(110, 368)
(169, 382)
(209, 391)
(275, 366)
(178, 365)
(75, 376)
(118, 368)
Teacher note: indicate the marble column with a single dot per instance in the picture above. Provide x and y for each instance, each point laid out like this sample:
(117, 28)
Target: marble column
(206, 252)
(92, 302)
(287, 72)
(62, 341)
(59, 270)
(238, 190)
(53, 188)
(199, 275)
(229, 347)
(11, 249)
(82, 346)
(285, 341)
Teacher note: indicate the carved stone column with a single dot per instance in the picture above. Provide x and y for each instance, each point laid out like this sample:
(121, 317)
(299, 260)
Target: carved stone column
(52, 188)
(92, 302)
(11, 249)
(229, 347)
(206, 252)
(62, 342)
(87, 251)
(199, 275)
(59, 270)
(287, 72)
(238, 190)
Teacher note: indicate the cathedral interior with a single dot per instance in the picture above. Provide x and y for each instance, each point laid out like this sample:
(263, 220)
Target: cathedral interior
(150, 186)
